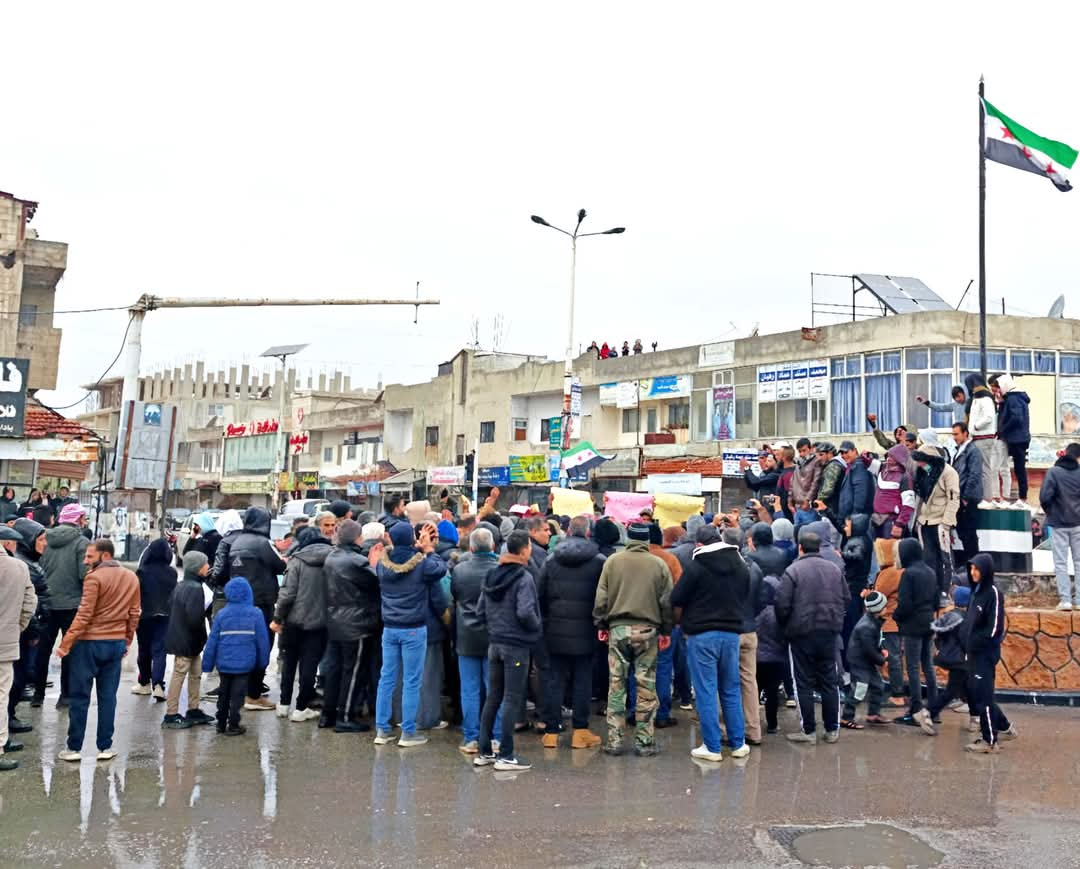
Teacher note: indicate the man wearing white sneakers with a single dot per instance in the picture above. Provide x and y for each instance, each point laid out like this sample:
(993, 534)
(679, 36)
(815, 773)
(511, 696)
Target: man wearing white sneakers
(1060, 498)
(95, 644)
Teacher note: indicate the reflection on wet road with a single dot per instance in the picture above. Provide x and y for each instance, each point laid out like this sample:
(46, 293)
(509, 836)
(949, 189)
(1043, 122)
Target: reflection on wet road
(289, 794)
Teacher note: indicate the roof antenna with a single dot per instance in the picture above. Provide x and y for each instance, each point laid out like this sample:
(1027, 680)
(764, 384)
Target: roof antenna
(416, 308)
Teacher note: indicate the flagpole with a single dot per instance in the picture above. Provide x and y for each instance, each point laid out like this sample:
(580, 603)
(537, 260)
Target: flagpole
(982, 232)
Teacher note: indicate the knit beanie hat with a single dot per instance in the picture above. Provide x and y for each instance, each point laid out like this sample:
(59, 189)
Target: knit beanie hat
(447, 531)
(961, 595)
(605, 533)
(340, 509)
(193, 563)
(348, 532)
(875, 602)
(402, 534)
(638, 531)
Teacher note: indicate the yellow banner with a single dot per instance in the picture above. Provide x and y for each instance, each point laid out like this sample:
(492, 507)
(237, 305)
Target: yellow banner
(671, 510)
(571, 502)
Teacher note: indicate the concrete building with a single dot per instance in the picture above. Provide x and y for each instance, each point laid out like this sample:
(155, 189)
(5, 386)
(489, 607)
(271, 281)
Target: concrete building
(682, 410)
(30, 269)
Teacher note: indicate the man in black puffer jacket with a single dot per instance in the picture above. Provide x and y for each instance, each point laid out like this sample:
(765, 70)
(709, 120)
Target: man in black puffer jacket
(567, 592)
(352, 620)
(28, 549)
(916, 601)
(772, 560)
(251, 555)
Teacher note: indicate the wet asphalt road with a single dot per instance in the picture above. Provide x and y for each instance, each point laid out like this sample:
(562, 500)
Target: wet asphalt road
(287, 794)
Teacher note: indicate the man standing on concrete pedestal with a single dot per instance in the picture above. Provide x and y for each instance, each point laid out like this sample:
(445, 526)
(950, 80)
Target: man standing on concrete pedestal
(1060, 498)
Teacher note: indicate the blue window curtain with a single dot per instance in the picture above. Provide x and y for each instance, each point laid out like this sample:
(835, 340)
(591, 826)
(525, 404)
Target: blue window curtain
(995, 360)
(941, 358)
(846, 412)
(940, 390)
(917, 359)
(1044, 362)
(892, 360)
(1070, 363)
(883, 398)
(1020, 361)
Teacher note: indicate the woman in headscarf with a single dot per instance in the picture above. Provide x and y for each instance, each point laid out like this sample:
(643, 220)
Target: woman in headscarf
(783, 533)
(982, 425)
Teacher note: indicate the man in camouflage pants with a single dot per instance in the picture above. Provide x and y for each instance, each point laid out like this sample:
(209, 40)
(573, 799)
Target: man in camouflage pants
(633, 613)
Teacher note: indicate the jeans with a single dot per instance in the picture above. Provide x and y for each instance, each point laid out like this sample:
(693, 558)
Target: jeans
(1062, 541)
(303, 650)
(895, 663)
(93, 663)
(918, 651)
(151, 657)
(230, 699)
(508, 671)
(665, 675)
(714, 666)
(431, 684)
(58, 623)
(683, 687)
(473, 670)
(578, 669)
(403, 650)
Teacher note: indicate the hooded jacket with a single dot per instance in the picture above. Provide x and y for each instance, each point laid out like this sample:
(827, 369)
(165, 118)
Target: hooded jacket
(239, 641)
(984, 624)
(208, 539)
(17, 605)
(157, 580)
(864, 648)
(229, 525)
(856, 554)
(62, 561)
(948, 638)
(352, 594)
(888, 581)
(772, 645)
(856, 491)
(812, 596)
(772, 560)
(981, 411)
(894, 497)
(186, 634)
(832, 478)
(508, 606)
(405, 580)
(762, 483)
(939, 487)
(9, 509)
(714, 591)
(251, 555)
(25, 551)
(824, 530)
(567, 592)
(466, 582)
(967, 462)
(634, 589)
(1014, 417)
(917, 597)
(302, 600)
(1060, 494)
(607, 537)
(684, 549)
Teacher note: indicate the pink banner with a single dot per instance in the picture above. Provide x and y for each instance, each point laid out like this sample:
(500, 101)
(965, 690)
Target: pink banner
(625, 506)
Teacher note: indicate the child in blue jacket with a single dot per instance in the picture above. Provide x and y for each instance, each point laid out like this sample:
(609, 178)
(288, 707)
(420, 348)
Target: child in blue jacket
(239, 642)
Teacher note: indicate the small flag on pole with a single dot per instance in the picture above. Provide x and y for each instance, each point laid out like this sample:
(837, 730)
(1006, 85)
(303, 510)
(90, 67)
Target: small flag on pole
(1009, 143)
(582, 458)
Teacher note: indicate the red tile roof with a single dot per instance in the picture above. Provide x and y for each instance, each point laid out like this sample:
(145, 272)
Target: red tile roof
(707, 466)
(42, 423)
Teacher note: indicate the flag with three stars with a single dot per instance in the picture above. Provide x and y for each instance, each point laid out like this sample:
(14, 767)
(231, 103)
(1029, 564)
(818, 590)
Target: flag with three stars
(1014, 145)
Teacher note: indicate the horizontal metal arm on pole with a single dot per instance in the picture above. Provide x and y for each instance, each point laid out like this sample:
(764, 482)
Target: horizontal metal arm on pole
(152, 303)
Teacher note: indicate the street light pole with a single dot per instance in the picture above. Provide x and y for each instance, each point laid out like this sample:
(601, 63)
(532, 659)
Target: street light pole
(568, 376)
(282, 454)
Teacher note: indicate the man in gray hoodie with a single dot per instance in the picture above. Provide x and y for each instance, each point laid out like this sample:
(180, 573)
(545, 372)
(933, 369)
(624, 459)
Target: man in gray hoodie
(63, 561)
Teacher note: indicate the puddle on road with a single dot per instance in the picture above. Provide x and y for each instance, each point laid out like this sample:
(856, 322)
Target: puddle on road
(858, 846)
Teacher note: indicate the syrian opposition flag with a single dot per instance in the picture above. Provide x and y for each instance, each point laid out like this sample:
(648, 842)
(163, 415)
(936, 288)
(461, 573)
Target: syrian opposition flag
(582, 458)
(1009, 143)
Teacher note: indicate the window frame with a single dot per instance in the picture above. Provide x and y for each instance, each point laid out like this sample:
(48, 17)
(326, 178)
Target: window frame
(487, 426)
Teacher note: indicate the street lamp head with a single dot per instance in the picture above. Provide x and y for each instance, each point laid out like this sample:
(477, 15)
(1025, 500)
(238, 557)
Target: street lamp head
(618, 230)
(580, 215)
(538, 219)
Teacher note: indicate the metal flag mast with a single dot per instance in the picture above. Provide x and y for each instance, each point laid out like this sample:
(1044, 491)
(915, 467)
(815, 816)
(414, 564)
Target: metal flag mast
(982, 232)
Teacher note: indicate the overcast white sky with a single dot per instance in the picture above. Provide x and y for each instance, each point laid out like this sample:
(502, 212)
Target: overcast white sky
(239, 149)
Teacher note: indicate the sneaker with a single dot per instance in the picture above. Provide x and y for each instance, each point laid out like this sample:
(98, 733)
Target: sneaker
(744, 749)
(258, 704)
(512, 764)
(470, 747)
(17, 726)
(1008, 735)
(37, 700)
(349, 726)
(772, 730)
(11, 746)
(702, 753)
(799, 736)
(213, 692)
(686, 707)
(304, 715)
(614, 750)
(107, 754)
(70, 756)
(159, 693)
(441, 725)
(973, 724)
(239, 730)
(666, 722)
(484, 760)
(384, 737)
(908, 720)
(922, 717)
(987, 505)
(957, 705)
(175, 722)
(650, 749)
(832, 736)
(417, 739)
(197, 717)
(281, 710)
(790, 703)
(137, 688)
(1065, 606)
(980, 747)
(1018, 505)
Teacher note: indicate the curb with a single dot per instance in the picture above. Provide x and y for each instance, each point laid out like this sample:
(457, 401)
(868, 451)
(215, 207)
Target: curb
(1039, 698)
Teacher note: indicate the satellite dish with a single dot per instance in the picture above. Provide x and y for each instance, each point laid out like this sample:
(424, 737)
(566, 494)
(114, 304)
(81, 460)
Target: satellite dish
(1057, 310)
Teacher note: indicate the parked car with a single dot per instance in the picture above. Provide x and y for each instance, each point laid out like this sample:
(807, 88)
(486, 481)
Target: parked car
(175, 516)
(303, 507)
(183, 534)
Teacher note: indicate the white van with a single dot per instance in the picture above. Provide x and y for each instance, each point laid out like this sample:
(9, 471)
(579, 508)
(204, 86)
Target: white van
(303, 507)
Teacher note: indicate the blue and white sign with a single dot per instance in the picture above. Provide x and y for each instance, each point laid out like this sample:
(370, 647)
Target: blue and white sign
(671, 386)
(499, 475)
(766, 383)
(731, 459)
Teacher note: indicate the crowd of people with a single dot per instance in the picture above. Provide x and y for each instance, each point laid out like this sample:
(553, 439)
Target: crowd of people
(611, 351)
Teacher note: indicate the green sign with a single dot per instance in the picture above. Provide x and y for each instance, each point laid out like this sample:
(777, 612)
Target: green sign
(529, 469)
(555, 433)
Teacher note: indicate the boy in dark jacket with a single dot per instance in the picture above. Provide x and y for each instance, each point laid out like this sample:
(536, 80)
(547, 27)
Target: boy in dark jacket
(157, 580)
(239, 644)
(509, 608)
(856, 554)
(983, 631)
(185, 637)
(952, 657)
(865, 657)
(917, 599)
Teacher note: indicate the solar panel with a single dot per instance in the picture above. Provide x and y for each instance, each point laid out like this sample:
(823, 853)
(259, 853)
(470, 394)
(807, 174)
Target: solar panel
(903, 295)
